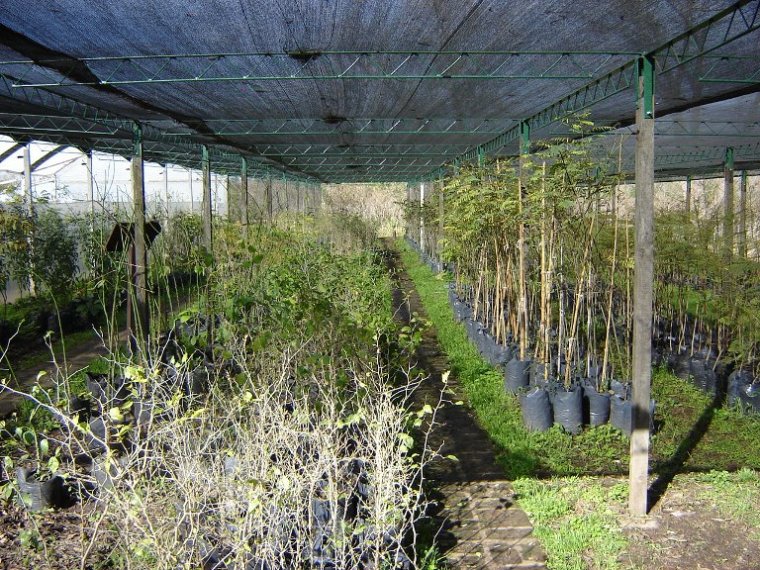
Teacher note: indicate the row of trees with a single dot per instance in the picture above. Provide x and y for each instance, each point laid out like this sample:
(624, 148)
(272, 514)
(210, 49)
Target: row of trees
(543, 249)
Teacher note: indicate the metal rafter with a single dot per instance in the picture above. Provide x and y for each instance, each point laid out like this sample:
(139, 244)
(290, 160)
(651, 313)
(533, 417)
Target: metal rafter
(356, 126)
(696, 129)
(714, 33)
(21, 122)
(67, 109)
(391, 149)
(723, 28)
(412, 65)
(751, 76)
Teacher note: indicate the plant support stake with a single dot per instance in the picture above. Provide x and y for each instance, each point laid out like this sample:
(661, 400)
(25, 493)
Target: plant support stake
(642, 288)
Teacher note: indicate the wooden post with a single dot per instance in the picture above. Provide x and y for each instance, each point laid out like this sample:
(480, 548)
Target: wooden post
(441, 213)
(522, 304)
(244, 193)
(29, 198)
(167, 213)
(688, 196)
(269, 198)
(192, 199)
(421, 218)
(139, 335)
(643, 278)
(206, 211)
(408, 216)
(742, 230)
(728, 204)
(91, 187)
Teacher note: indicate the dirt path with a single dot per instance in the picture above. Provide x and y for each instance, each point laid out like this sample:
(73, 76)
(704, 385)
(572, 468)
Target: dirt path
(482, 527)
(76, 359)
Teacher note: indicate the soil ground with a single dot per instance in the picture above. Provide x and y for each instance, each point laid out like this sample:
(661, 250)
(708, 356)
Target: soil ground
(687, 531)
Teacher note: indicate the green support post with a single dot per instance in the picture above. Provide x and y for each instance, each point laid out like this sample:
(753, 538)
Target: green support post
(643, 278)
(524, 138)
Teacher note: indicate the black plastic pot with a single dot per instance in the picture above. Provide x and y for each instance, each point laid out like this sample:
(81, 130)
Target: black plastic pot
(621, 389)
(703, 375)
(539, 375)
(108, 393)
(536, 410)
(596, 406)
(103, 477)
(517, 375)
(501, 354)
(621, 414)
(97, 436)
(39, 495)
(744, 392)
(196, 384)
(568, 409)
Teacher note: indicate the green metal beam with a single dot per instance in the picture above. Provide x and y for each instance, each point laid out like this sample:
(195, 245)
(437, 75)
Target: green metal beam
(750, 76)
(720, 30)
(695, 128)
(714, 33)
(356, 126)
(55, 104)
(20, 122)
(415, 65)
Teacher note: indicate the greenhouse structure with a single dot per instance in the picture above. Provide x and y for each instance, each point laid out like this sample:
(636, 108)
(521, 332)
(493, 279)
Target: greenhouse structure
(387, 284)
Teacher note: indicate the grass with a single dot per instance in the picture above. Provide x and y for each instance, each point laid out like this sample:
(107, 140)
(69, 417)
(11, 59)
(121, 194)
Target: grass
(556, 475)
(576, 519)
(736, 495)
(691, 433)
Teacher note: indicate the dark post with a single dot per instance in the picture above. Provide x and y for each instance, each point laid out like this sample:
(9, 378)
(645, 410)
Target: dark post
(29, 199)
(268, 198)
(688, 196)
(208, 236)
(728, 204)
(742, 235)
(421, 217)
(244, 193)
(643, 277)
(441, 212)
(139, 334)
